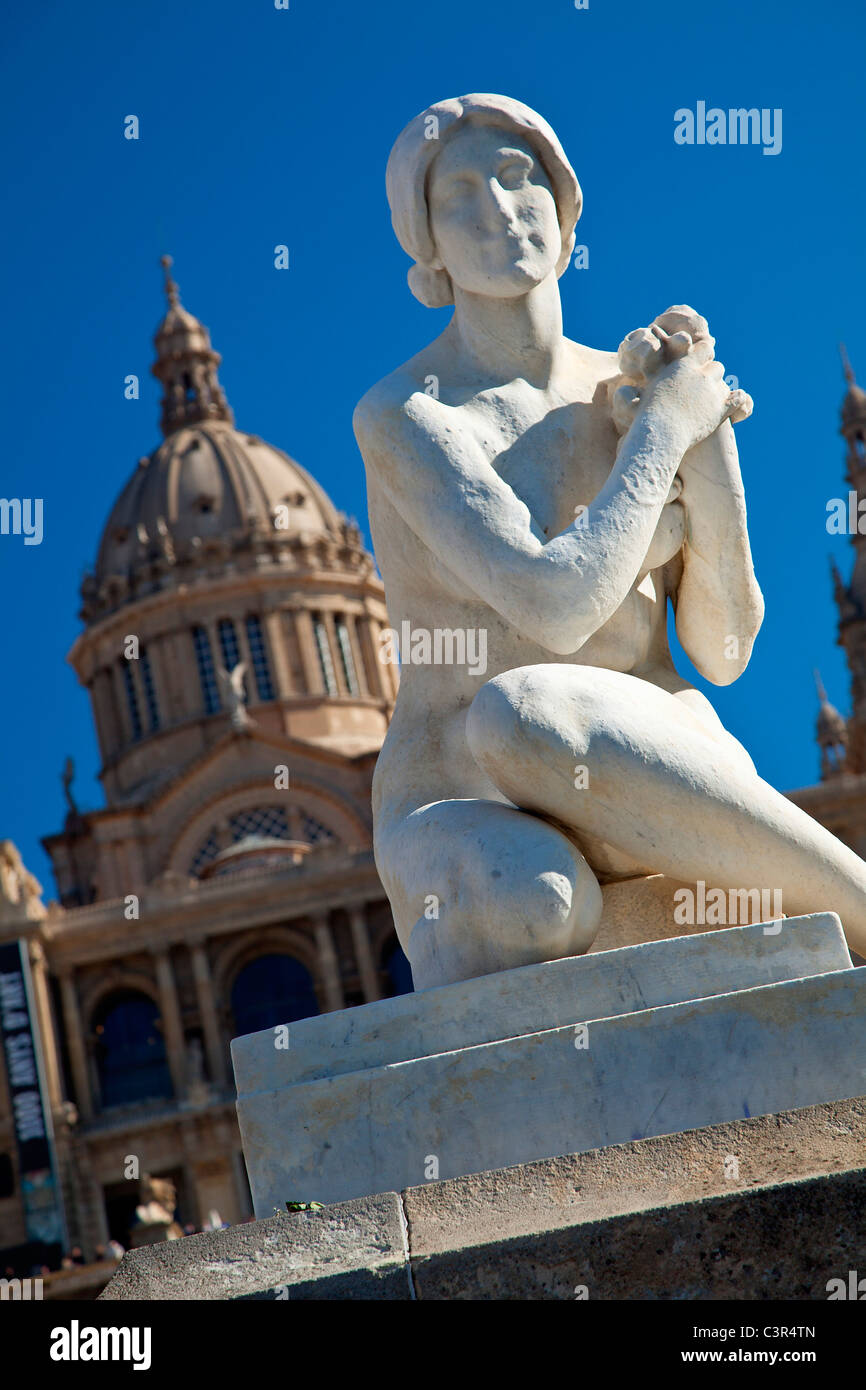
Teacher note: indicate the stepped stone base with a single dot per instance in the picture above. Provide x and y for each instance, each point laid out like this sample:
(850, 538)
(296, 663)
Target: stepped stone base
(671, 1217)
(557, 1058)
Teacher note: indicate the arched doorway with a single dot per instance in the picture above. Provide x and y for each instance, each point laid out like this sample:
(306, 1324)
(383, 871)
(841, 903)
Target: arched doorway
(130, 1050)
(272, 989)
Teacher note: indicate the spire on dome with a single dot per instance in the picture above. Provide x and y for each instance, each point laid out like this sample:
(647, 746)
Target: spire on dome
(831, 733)
(186, 364)
(853, 410)
(172, 293)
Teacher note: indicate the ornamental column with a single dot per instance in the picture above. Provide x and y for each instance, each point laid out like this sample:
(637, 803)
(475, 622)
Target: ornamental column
(363, 954)
(213, 1042)
(309, 652)
(329, 967)
(45, 1022)
(75, 1042)
(172, 1027)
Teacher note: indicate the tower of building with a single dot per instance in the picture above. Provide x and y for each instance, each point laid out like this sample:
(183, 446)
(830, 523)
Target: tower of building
(838, 800)
(851, 597)
(229, 648)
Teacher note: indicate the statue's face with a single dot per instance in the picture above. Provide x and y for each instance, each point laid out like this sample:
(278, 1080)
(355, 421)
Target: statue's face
(492, 213)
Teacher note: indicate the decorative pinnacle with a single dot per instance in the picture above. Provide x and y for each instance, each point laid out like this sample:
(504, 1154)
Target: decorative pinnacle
(819, 685)
(846, 364)
(171, 290)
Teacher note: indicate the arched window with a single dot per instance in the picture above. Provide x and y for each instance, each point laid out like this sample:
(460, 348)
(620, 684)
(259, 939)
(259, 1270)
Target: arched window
(323, 647)
(130, 1050)
(271, 822)
(347, 660)
(132, 704)
(228, 643)
(271, 990)
(314, 832)
(149, 692)
(396, 968)
(259, 658)
(206, 673)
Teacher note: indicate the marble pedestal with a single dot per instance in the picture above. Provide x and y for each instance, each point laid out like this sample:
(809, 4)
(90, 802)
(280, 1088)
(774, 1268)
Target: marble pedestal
(552, 1059)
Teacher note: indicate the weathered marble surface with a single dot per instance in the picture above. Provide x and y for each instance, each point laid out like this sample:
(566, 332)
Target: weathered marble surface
(552, 499)
(493, 1072)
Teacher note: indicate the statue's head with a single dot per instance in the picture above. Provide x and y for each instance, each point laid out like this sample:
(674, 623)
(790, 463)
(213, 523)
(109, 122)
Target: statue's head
(482, 196)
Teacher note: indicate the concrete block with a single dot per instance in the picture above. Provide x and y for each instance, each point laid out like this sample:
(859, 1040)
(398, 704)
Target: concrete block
(781, 1242)
(390, 1113)
(354, 1249)
(664, 1171)
(536, 997)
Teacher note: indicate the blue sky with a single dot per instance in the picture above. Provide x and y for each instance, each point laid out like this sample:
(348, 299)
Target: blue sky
(260, 127)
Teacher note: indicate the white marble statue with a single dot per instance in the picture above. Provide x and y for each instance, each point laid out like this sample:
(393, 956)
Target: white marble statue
(555, 497)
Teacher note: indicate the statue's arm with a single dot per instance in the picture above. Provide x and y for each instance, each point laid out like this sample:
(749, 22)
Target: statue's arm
(560, 591)
(718, 605)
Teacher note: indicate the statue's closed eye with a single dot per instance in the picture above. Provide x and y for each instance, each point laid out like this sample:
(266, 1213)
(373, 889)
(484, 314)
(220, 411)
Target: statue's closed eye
(514, 173)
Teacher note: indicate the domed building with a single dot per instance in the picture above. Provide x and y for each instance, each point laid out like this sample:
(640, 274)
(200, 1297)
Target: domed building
(229, 649)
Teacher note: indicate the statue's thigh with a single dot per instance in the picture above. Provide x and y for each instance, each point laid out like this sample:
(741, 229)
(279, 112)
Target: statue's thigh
(478, 886)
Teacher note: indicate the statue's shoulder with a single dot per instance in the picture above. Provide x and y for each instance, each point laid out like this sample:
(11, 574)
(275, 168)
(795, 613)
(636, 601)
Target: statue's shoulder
(383, 408)
(596, 364)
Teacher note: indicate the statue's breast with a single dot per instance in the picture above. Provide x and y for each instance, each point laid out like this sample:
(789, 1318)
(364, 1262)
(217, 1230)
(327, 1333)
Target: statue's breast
(559, 462)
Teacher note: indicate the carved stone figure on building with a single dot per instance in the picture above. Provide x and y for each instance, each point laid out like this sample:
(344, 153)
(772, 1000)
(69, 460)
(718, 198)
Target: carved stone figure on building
(154, 1216)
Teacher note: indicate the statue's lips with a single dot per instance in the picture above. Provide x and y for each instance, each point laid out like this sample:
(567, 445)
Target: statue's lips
(509, 250)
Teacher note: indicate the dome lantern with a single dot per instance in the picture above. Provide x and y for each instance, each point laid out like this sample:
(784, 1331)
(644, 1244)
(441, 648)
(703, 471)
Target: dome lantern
(186, 365)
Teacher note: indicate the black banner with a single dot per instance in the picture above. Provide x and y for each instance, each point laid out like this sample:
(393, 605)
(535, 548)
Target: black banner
(30, 1112)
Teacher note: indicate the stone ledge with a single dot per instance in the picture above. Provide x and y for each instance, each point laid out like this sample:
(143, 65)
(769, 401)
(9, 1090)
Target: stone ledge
(623, 1179)
(782, 1242)
(357, 1248)
(655, 1218)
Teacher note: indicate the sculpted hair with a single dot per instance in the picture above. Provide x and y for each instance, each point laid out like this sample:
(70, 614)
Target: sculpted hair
(411, 160)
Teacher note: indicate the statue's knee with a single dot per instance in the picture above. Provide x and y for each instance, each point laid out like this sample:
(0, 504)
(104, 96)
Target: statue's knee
(492, 720)
(545, 918)
(549, 904)
(535, 705)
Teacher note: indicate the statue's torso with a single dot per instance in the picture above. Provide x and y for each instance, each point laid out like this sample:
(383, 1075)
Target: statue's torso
(555, 449)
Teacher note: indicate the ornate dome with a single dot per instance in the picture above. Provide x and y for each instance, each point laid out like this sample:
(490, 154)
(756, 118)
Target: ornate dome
(210, 493)
(205, 482)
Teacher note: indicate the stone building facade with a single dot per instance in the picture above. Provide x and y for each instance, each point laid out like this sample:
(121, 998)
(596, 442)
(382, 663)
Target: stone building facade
(230, 651)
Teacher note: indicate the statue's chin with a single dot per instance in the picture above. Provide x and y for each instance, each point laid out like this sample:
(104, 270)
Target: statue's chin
(518, 279)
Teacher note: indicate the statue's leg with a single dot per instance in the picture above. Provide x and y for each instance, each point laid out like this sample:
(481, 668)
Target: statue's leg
(477, 886)
(659, 786)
